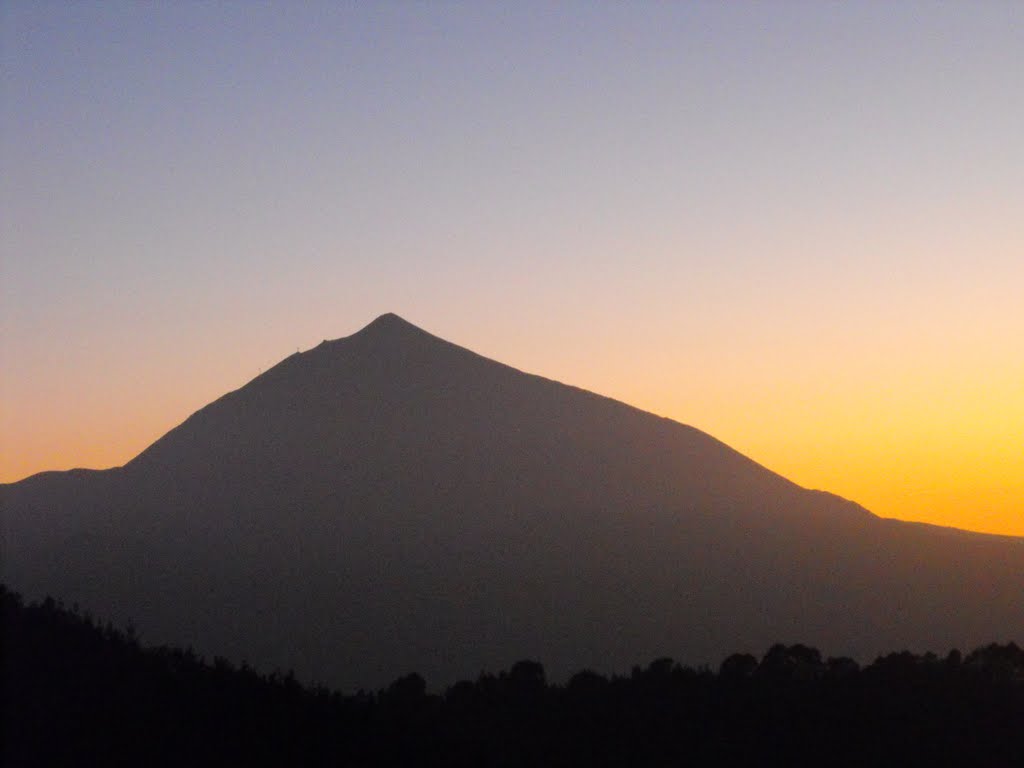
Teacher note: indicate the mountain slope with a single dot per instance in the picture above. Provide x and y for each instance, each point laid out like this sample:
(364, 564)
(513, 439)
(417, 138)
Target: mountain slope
(390, 502)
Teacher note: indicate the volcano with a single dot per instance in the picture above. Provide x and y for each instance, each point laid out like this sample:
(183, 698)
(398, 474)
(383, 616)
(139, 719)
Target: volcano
(390, 502)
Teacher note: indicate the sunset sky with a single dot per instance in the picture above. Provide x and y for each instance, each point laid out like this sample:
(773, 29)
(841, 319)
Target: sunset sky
(796, 226)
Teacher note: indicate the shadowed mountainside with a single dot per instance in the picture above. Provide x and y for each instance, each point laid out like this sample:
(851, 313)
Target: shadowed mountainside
(390, 502)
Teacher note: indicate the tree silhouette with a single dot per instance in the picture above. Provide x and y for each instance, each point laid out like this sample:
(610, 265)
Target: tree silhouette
(78, 693)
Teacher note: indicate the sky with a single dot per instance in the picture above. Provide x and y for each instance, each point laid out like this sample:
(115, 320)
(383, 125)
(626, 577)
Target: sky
(796, 226)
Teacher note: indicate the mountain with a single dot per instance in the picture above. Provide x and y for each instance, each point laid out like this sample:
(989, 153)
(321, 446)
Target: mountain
(390, 502)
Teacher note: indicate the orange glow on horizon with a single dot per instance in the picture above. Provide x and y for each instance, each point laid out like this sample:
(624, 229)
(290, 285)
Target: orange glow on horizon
(943, 455)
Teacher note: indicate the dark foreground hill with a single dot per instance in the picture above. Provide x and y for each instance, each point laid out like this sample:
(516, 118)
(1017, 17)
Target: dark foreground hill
(74, 693)
(390, 502)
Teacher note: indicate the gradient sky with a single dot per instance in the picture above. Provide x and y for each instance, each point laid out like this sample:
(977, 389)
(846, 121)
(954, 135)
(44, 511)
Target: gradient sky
(796, 226)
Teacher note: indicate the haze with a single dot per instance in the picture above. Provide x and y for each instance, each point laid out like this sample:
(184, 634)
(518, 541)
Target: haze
(796, 227)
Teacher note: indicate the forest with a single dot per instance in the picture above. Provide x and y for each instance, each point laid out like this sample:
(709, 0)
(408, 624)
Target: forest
(76, 691)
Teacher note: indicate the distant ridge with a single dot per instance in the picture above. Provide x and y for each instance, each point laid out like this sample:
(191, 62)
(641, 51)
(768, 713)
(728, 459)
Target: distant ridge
(390, 501)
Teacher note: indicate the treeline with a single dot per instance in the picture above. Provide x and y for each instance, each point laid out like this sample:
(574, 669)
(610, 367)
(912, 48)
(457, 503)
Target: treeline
(76, 692)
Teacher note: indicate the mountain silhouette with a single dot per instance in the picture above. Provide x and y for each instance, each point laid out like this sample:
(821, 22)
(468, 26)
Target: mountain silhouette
(390, 502)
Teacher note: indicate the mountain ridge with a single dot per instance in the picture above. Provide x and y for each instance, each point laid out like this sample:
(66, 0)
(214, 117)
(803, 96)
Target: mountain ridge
(390, 327)
(390, 501)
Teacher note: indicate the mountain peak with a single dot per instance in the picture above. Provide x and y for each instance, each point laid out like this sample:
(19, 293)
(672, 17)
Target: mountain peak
(388, 331)
(389, 320)
(389, 324)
